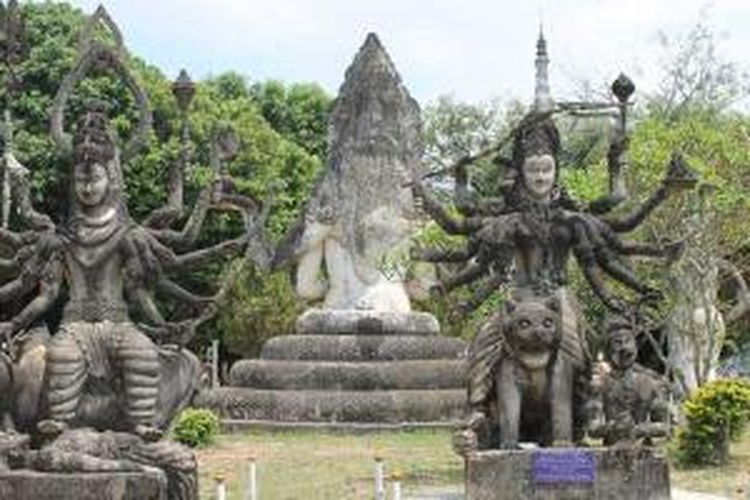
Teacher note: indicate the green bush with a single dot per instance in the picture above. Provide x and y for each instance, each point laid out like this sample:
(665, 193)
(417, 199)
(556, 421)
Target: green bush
(715, 414)
(195, 427)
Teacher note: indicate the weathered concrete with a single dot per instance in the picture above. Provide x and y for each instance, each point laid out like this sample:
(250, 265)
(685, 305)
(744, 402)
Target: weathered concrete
(325, 375)
(335, 406)
(362, 347)
(626, 474)
(357, 322)
(26, 484)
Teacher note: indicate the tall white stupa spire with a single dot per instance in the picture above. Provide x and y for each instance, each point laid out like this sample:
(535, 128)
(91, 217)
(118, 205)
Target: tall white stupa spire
(542, 97)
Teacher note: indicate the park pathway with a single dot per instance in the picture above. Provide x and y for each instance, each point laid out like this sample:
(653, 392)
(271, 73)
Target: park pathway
(456, 493)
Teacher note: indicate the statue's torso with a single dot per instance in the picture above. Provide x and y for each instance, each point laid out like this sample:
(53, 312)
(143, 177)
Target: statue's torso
(95, 280)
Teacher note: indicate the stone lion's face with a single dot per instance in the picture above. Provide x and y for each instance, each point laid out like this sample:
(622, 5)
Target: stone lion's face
(533, 330)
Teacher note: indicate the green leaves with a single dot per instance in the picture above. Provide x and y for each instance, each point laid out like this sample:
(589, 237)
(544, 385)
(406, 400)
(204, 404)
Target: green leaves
(195, 427)
(715, 414)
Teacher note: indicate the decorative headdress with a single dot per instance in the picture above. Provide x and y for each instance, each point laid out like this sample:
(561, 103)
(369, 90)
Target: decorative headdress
(94, 140)
(537, 135)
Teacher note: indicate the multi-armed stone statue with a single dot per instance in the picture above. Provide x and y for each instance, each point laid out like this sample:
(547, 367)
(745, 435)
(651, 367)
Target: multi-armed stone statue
(530, 364)
(100, 369)
(363, 355)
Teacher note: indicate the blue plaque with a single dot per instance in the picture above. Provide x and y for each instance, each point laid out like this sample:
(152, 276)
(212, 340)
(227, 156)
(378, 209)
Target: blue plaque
(564, 466)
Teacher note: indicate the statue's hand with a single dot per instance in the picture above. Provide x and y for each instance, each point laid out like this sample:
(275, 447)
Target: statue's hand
(465, 441)
(14, 166)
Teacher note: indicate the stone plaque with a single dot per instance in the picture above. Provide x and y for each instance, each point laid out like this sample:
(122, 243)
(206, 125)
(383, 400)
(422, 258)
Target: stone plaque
(564, 466)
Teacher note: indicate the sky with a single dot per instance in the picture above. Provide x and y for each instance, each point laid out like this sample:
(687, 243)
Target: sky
(474, 50)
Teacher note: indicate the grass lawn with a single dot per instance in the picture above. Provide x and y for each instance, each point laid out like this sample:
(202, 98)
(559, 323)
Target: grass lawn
(731, 480)
(307, 464)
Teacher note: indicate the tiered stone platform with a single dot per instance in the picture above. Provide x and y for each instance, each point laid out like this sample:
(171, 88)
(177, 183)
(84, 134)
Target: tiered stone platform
(350, 366)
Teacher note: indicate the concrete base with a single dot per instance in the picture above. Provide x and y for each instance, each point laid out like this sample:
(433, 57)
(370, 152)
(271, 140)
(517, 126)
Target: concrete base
(633, 474)
(26, 484)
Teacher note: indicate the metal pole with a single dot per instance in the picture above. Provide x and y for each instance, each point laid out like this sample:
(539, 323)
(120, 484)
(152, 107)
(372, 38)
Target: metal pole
(396, 490)
(215, 364)
(252, 480)
(221, 488)
(379, 484)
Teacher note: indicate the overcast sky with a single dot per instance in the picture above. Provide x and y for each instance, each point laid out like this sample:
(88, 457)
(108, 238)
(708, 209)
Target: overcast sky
(474, 49)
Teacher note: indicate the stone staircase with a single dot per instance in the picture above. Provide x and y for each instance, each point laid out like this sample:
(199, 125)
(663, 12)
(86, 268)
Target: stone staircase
(349, 367)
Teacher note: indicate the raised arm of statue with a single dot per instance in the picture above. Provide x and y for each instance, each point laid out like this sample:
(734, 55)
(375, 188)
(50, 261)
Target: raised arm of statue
(49, 289)
(22, 195)
(450, 224)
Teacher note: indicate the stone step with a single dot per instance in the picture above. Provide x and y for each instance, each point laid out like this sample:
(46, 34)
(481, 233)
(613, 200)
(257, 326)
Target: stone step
(355, 322)
(362, 347)
(337, 406)
(364, 376)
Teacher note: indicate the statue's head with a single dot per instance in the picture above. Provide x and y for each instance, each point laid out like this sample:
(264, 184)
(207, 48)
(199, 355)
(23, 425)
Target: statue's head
(97, 178)
(621, 349)
(535, 150)
(532, 328)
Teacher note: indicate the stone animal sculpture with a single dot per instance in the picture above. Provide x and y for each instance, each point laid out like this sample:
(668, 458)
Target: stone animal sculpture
(530, 376)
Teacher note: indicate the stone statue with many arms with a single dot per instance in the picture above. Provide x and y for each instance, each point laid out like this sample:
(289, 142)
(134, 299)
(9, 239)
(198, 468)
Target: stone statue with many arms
(529, 364)
(101, 369)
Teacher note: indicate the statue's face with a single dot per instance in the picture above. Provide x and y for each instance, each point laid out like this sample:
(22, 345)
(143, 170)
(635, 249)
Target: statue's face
(91, 184)
(539, 175)
(622, 349)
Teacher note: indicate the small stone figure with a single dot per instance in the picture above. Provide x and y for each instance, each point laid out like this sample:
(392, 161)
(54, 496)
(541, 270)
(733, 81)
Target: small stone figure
(633, 397)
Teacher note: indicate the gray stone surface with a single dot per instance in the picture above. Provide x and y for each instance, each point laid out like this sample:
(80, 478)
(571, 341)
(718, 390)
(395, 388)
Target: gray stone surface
(627, 474)
(25, 484)
(361, 213)
(357, 322)
(378, 375)
(362, 347)
(335, 406)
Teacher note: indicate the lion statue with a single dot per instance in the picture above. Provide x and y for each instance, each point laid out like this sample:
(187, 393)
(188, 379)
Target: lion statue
(528, 379)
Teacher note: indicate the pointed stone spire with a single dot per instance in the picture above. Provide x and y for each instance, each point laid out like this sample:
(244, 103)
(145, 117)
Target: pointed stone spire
(374, 110)
(542, 97)
(374, 150)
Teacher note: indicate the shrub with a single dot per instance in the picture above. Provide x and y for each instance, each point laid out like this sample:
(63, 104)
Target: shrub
(196, 427)
(715, 414)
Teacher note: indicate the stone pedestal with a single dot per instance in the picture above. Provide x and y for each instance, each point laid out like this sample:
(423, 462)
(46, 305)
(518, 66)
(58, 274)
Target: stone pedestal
(26, 484)
(350, 366)
(568, 473)
(10, 443)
